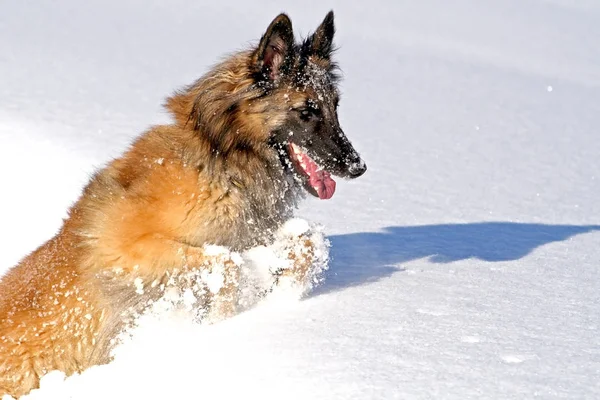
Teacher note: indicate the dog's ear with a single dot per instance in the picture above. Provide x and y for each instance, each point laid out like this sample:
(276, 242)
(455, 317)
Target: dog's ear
(273, 55)
(322, 39)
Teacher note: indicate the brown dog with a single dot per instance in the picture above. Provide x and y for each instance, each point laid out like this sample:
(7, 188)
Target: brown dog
(248, 139)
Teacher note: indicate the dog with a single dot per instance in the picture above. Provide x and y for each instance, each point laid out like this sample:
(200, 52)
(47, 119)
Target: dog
(248, 140)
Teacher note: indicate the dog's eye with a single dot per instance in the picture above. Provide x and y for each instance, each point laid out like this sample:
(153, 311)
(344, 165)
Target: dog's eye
(306, 114)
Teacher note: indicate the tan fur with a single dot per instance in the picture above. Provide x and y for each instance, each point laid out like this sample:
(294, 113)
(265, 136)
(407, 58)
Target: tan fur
(217, 175)
(145, 216)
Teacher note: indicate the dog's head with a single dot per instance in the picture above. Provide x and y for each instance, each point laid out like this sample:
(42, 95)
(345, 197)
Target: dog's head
(302, 80)
(279, 97)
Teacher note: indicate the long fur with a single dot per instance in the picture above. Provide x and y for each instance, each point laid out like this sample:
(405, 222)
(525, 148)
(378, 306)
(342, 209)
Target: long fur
(211, 177)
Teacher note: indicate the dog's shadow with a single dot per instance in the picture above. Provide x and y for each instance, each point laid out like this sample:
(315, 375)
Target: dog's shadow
(359, 258)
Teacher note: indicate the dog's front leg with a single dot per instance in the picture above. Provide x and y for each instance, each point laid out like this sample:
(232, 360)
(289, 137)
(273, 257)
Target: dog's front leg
(154, 263)
(220, 273)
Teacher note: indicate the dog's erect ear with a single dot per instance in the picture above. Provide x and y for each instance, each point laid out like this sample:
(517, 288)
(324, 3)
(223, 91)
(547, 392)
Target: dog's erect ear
(272, 57)
(322, 39)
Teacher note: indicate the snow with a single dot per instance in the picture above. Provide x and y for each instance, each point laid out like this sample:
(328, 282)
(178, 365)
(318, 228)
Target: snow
(463, 264)
(139, 285)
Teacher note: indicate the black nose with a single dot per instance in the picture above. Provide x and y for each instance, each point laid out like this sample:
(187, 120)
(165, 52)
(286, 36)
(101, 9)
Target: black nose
(357, 168)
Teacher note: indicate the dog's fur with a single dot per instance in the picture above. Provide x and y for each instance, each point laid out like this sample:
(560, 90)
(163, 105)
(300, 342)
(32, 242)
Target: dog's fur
(221, 174)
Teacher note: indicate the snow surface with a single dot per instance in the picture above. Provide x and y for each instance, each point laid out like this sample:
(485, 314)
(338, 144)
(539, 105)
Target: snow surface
(464, 263)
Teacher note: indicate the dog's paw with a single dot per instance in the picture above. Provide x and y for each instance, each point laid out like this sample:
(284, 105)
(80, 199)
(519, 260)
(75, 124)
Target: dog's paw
(292, 265)
(303, 253)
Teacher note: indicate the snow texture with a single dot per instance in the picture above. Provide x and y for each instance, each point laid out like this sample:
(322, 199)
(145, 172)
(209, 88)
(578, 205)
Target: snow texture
(463, 265)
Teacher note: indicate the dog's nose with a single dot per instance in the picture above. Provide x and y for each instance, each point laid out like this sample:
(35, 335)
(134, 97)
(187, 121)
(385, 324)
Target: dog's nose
(357, 168)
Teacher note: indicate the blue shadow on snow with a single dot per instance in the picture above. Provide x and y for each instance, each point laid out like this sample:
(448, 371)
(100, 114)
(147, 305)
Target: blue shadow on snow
(359, 258)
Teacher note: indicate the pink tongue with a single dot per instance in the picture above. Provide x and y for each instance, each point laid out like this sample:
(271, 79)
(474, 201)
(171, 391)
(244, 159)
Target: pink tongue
(320, 180)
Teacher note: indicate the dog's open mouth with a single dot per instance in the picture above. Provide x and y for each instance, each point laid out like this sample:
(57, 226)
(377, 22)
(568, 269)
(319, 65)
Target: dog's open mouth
(317, 181)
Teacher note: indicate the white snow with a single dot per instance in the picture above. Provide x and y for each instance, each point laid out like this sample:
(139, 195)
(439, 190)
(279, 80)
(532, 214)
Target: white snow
(295, 227)
(139, 285)
(463, 264)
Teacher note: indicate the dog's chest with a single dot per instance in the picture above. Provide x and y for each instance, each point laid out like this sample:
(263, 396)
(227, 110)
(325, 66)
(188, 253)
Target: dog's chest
(254, 210)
